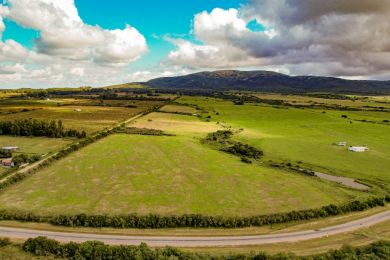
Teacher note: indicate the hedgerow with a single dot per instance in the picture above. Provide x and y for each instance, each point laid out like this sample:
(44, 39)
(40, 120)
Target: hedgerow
(42, 246)
(155, 221)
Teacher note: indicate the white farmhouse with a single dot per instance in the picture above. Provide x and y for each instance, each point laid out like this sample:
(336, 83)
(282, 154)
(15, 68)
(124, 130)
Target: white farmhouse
(358, 149)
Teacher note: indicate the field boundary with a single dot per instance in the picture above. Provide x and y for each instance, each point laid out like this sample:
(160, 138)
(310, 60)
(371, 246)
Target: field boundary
(155, 221)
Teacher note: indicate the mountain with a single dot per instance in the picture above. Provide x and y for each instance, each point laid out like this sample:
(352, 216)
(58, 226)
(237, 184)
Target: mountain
(267, 81)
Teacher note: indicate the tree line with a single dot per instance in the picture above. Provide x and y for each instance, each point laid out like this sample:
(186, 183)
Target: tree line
(33, 127)
(221, 140)
(91, 250)
(156, 221)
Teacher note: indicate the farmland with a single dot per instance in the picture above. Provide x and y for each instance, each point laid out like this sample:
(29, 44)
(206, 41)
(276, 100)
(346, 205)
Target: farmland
(36, 145)
(161, 163)
(307, 136)
(165, 175)
(88, 115)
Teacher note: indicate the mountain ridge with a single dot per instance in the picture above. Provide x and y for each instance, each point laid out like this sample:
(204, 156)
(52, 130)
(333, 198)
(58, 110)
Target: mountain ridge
(268, 81)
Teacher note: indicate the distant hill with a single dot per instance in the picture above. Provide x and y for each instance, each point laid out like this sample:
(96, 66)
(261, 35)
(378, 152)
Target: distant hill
(132, 85)
(267, 81)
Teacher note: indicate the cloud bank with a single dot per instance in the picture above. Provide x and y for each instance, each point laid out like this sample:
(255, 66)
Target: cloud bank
(66, 46)
(336, 37)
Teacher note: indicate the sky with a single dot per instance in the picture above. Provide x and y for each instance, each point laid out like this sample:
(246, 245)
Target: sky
(72, 43)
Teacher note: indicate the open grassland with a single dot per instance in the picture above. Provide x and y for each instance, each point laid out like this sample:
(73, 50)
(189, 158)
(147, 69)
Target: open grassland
(167, 175)
(34, 145)
(307, 135)
(75, 114)
(179, 109)
(355, 101)
(175, 124)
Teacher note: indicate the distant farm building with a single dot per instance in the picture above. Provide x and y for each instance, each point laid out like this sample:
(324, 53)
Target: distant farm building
(7, 163)
(358, 149)
(10, 148)
(342, 144)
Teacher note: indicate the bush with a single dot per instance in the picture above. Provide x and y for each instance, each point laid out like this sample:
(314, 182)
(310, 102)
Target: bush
(42, 246)
(32, 127)
(5, 154)
(192, 220)
(245, 160)
(4, 242)
(243, 150)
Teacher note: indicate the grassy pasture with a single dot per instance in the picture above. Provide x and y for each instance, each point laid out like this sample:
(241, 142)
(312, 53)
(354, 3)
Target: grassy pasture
(359, 102)
(168, 175)
(34, 145)
(175, 124)
(179, 109)
(90, 118)
(307, 135)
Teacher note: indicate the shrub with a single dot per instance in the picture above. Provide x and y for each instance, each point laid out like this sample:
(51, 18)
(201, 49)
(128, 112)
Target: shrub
(192, 220)
(4, 242)
(42, 246)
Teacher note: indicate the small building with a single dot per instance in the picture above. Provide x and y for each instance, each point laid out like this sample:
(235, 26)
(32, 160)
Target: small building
(342, 144)
(358, 149)
(10, 148)
(7, 162)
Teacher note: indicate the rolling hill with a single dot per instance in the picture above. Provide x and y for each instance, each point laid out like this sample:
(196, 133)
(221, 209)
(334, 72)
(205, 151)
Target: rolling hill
(267, 81)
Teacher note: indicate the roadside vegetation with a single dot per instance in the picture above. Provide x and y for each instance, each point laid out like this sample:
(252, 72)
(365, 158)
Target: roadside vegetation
(44, 247)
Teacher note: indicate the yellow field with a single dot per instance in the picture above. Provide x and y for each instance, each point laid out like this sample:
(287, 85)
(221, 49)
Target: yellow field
(176, 124)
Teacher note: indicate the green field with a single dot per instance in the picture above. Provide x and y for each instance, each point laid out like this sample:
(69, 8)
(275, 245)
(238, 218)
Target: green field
(179, 109)
(307, 135)
(166, 175)
(34, 145)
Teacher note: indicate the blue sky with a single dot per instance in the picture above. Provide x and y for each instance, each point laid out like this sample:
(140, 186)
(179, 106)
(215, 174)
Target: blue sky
(154, 19)
(61, 43)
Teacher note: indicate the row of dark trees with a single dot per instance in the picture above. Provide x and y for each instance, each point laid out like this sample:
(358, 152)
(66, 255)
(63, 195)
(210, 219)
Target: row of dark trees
(156, 221)
(24, 158)
(243, 150)
(33, 127)
(141, 131)
(91, 250)
(221, 139)
(5, 154)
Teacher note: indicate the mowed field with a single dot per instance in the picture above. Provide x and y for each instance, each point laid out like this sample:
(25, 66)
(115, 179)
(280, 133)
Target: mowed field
(307, 136)
(124, 174)
(75, 114)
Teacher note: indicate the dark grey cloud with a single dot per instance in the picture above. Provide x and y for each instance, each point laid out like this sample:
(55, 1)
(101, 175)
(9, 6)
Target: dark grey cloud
(338, 38)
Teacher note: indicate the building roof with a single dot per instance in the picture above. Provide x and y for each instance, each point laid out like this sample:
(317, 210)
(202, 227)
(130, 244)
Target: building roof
(9, 147)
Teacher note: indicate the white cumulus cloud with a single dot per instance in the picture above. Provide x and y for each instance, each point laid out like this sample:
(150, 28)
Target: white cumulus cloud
(67, 51)
(339, 37)
(64, 34)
